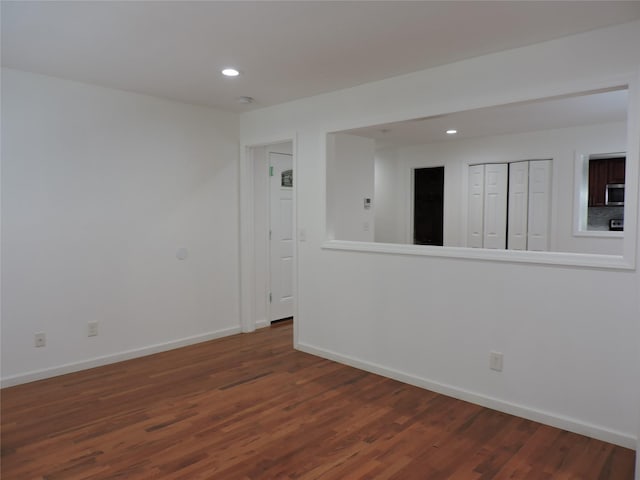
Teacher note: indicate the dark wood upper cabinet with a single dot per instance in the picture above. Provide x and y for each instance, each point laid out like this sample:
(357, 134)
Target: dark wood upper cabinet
(597, 182)
(602, 172)
(616, 170)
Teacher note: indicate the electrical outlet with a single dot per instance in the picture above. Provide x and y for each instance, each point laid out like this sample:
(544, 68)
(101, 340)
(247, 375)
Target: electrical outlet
(495, 361)
(93, 329)
(40, 339)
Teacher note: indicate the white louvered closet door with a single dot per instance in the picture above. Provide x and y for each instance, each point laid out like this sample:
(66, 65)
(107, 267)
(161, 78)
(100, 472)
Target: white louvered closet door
(539, 205)
(495, 205)
(518, 205)
(475, 210)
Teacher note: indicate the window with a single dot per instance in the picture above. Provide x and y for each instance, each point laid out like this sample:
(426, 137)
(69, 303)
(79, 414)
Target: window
(380, 161)
(600, 185)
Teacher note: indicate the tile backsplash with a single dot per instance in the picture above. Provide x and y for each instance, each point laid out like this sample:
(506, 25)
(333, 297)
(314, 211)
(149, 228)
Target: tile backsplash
(598, 217)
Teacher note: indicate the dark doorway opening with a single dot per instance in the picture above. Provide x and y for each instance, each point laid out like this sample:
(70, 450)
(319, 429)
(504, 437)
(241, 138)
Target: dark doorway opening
(428, 206)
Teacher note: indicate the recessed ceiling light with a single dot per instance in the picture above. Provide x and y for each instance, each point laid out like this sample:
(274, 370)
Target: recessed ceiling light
(452, 132)
(230, 72)
(245, 100)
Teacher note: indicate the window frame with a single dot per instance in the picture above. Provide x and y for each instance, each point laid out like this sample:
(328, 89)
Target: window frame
(626, 261)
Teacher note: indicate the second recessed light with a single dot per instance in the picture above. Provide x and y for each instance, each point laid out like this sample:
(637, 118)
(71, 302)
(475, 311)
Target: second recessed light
(452, 132)
(230, 72)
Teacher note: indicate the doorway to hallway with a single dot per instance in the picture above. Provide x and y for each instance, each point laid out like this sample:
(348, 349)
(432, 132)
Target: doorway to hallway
(268, 257)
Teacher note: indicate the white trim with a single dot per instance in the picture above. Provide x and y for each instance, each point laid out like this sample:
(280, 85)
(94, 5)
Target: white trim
(296, 183)
(266, 238)
(599, 234)
(559, 421)
(114, 358)
(514, 256)
(296, 179)
(632, 166)
(262, 323)
(580, 193)
(407, 186)
(410, 233)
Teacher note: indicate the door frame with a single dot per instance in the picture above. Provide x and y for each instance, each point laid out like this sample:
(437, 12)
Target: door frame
(247, 260)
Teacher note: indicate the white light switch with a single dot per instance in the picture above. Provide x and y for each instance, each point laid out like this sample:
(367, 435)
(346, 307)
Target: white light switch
(495, 361)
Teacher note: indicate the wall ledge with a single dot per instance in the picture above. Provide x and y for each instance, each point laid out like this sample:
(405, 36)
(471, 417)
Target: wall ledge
(613, 262)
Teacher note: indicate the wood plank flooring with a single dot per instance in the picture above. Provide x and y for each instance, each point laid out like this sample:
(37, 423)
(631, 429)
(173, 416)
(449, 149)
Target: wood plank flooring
(251, 407)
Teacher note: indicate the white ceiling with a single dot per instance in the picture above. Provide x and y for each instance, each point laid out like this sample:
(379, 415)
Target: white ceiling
(285, 50)
(588, 109)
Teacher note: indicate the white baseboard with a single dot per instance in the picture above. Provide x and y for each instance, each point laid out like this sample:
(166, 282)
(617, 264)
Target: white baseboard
(113, 358)
(262, 323)
(547, 418)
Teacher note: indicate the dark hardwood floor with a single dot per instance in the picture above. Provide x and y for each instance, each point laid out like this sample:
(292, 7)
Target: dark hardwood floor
(250, 407)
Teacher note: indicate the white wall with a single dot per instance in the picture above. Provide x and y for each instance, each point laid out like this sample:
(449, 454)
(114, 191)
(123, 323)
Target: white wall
(389, 207)
(350, 173)
(560, 145)
(569, 334)
(100, 188)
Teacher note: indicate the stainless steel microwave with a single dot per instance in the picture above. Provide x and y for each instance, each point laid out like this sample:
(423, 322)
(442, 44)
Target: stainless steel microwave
(614, 194)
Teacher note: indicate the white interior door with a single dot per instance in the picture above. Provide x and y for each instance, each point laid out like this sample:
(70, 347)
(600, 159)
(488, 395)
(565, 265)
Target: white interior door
(495, 205)
(281, 235)
(475, 212)
(518, 205)
(539, 204)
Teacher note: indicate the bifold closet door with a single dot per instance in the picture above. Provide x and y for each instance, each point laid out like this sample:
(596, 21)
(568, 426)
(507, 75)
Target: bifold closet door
(495, 205)
(539, 205)
(475, 210)
(518, 205)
